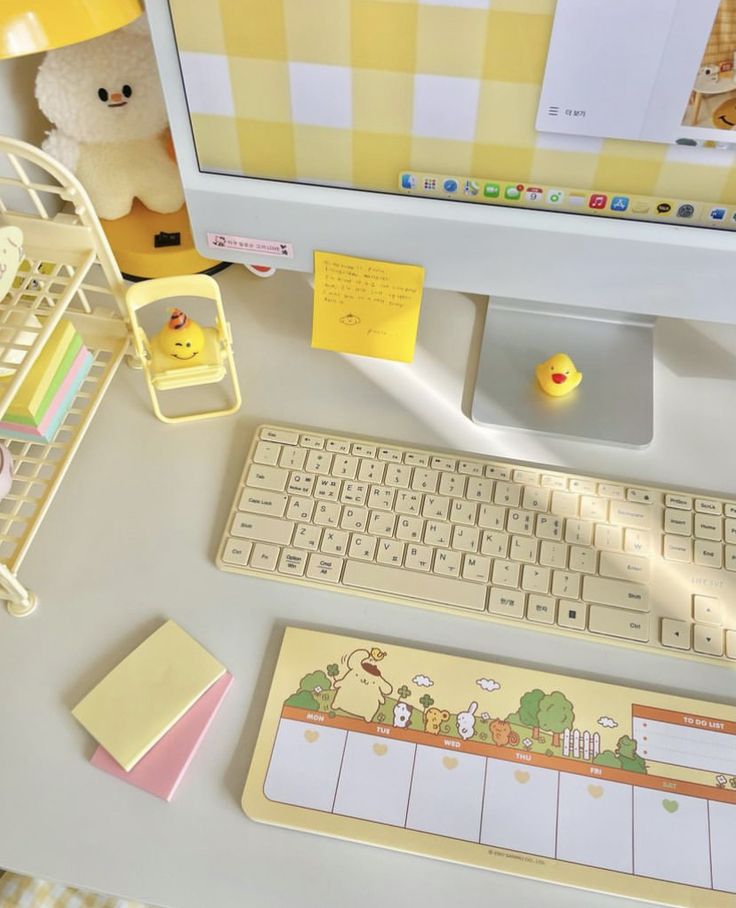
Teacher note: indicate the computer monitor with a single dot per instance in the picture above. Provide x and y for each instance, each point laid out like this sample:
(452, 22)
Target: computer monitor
(574, 160)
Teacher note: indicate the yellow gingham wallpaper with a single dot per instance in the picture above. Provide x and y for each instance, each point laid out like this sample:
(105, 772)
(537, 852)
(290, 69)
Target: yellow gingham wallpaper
(355, 91)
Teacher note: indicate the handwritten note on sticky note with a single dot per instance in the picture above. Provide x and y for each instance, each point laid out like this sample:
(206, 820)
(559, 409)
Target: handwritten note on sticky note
(366, 307)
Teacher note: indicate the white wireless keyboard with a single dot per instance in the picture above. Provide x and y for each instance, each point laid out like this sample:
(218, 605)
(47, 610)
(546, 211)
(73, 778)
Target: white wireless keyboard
(636, 565)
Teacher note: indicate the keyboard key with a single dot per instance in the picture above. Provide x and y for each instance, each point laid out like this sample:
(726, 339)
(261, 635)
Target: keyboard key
(236, 552)
(708, 640)
(708, 554)
(256, 502)
(437, 533)
(337, 446)
(363, 450)
(292, 561)
(436, 507)
(491, 517)
(292, 458)
(465, 539)
(495, 543)
(594, 508)
(371, 471)
(564, 504)
(381, 523)
(565, 584)
(615, 622)
(425, 480)
(470, 467)
(535, 579)
(507, 494)
(616, 592)
(263, 477)
(541, 609)
(300, 483)
(354, 519)
(676, 548)
(327, 514)
(428, 587)
(390, 552)
(410, 529)
(281, 436)
(624, 567)
(548, 527)
(419, 557)
(639, 495)
(312, 441)
(611, 490)
(264, 557)
(443, 463)
(520, 522)
(707, 610)
(345, 466)
(579, 532)
(307, 536)
(708, 506)
(584, 560)
(465, 512)
(452, 484)
(267, 452)
(731, 644)
(300, 508)
(496, 471)
(730, 509)
(479, 489)
(551, 481)
(391, 455)
(675, 634)
(523, 549)
(324, 568)
(583, 486)
(682, 502)
(262, 528)
(678, 522)
(509, 603)
(553, 554)
(572, 614)
(637, 542)
(535, 499)
(707, 527)
(397, 475)
(416, 459)
(506, 573)
(631, 514)
(526, 477)
(363, 547)
(448, 563)
(608, 538)
(335, 542)
(730, 534)
(731, 557)
(477, 567)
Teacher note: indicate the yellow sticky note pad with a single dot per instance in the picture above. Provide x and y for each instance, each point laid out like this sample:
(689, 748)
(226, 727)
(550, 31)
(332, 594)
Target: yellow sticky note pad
(143, 696)
(366, 307)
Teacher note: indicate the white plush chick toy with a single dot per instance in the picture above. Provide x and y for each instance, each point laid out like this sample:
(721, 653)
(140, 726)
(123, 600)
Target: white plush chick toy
(104, 98)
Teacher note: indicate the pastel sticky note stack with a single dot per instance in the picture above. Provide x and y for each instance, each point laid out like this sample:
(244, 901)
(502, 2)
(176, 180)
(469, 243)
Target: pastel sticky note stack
(146, 695)
(49, 389)
(163, 767)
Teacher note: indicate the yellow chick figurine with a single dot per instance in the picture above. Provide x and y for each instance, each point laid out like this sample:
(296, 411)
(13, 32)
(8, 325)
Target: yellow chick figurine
(558, 376)
(181, 337)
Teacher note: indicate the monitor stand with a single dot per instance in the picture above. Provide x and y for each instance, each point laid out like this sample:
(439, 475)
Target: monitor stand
(614, 351)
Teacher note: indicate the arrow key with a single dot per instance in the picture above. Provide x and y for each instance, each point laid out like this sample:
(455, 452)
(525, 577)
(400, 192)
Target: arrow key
(708, 640)
(675, 634)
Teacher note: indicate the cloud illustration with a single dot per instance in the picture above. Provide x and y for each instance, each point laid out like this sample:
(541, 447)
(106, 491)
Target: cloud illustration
(422, 681)
(488, 684)
(606, 722)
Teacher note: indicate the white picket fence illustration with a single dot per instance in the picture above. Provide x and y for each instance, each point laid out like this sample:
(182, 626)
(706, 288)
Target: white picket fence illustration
(581, 744)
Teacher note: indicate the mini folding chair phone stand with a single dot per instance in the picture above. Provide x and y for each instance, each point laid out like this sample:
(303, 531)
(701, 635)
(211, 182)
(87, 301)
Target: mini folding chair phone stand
(214, 362)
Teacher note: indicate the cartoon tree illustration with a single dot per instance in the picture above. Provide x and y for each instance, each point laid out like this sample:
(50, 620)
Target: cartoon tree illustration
(555, 715)
(333, 669)
(426, 701)
(302, 699)
(315, 680)
(403, 692)
(625, 756)
(528, 712)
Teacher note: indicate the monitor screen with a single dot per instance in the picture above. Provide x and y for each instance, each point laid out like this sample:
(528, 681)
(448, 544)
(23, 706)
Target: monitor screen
(615, 109)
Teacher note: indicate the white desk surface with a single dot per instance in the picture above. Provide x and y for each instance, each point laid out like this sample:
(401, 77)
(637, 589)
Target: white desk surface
(130, 540)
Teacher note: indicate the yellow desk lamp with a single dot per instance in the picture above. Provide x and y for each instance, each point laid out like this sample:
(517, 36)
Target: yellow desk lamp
(147, 244)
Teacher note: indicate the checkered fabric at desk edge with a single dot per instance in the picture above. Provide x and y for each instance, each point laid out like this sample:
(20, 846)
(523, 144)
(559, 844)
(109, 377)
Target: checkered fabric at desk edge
(26, 892)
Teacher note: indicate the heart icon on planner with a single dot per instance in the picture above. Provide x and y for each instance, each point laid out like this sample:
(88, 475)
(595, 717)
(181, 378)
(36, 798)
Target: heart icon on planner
(449, 762)
(380, 749)
(311, 736)
(521, 777)
(595, 791)
(670, 806)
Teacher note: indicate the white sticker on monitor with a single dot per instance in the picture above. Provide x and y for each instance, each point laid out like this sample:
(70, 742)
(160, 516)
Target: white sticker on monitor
(250, 244)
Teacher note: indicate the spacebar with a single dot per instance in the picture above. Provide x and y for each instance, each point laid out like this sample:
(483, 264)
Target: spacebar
(413, 585)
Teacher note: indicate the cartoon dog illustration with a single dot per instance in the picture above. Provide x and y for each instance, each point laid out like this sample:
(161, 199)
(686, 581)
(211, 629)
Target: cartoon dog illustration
(402, 714)
(362, 689)
(502, 733)
(466, 722)
(433, 719)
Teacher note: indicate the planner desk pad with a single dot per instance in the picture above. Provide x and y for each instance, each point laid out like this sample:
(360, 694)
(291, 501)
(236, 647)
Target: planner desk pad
(557, 778)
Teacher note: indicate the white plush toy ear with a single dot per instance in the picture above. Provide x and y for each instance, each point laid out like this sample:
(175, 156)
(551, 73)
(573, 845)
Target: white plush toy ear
(11, 255)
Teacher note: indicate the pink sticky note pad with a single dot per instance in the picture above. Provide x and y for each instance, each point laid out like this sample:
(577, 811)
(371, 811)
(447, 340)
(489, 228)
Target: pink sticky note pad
(162, 768)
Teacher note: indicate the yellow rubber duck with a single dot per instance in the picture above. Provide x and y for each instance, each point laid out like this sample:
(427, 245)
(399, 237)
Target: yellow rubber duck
(558, 376)
(181, 337)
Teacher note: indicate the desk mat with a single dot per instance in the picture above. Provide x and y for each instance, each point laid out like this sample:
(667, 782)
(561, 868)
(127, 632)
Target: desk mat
(557, 778)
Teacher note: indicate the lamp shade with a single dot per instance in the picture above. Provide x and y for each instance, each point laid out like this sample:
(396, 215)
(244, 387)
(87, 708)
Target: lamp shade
(32, 26)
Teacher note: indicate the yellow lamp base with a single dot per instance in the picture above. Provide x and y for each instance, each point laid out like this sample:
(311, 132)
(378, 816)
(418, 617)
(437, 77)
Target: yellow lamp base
(147, 244)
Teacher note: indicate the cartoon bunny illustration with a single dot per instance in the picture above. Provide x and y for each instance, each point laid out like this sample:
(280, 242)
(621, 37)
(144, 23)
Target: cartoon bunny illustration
(466, 722)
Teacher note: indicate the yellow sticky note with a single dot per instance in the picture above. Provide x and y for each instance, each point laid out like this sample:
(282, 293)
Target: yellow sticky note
(366, 307)
(142, 697)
